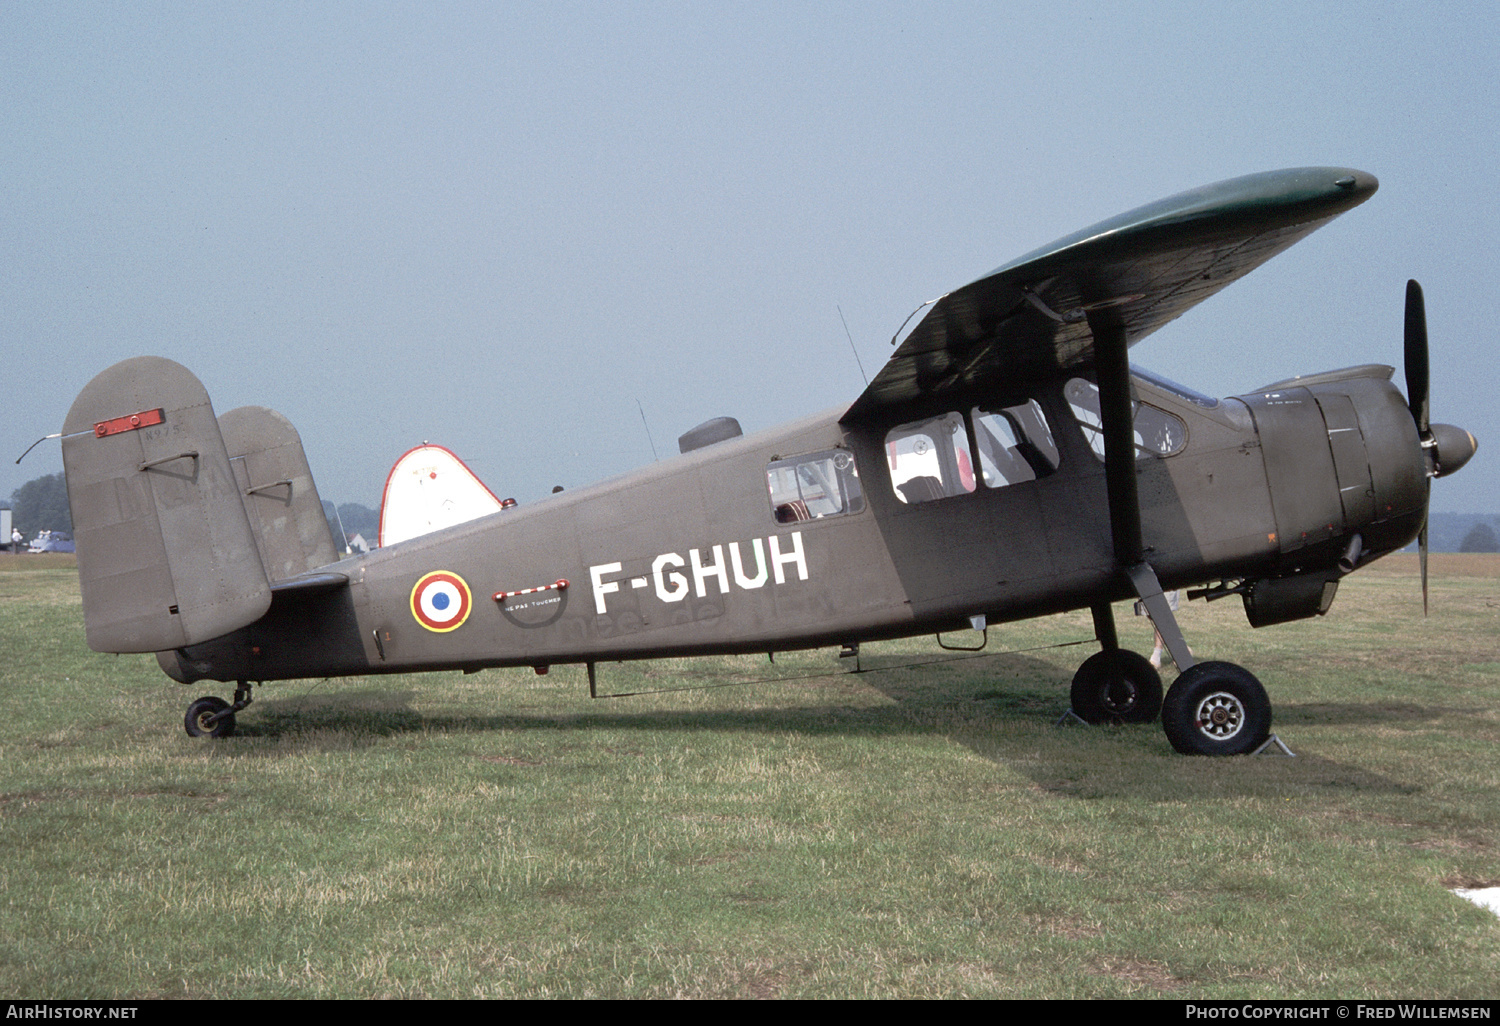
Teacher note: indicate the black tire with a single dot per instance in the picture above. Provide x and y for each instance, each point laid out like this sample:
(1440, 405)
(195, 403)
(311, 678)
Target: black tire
(1216, 709)
(198, 713)
(1116, 687)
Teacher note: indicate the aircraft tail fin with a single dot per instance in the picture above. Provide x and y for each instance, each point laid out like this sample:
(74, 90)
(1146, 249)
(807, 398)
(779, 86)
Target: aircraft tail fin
(277, 489)
(429, 489)
(166, 554)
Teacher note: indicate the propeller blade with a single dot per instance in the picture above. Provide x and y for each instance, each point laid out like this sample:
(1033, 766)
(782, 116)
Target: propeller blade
(1422, 550)
(1416, 356)
(1417, 382)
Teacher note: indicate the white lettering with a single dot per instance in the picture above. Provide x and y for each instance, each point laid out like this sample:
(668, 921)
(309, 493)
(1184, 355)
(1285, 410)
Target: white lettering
(795, 556)
(701, 572)
(672, 586)
(601, 589)
(739, 566)
(679, 583)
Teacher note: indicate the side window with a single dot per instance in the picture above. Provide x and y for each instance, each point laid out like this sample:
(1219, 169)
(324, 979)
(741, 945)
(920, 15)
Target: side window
(1157, 432)
(930, 459)
(1015, 444)
(821, 484)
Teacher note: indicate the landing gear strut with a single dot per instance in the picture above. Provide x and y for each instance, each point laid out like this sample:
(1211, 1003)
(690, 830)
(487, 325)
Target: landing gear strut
(213, 717)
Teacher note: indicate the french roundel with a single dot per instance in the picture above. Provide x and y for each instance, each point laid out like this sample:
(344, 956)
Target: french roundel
(441, 601)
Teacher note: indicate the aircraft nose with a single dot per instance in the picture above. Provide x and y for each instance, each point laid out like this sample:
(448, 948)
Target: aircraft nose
(1452, 447)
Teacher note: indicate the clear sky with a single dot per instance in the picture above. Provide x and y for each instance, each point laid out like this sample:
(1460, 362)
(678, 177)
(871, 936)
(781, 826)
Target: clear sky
(498, 227)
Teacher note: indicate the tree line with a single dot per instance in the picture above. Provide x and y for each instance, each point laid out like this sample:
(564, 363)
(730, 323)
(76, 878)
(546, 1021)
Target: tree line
(40, 505)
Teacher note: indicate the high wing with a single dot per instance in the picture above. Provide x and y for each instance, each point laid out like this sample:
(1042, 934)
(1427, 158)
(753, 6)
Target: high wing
(1136, 272)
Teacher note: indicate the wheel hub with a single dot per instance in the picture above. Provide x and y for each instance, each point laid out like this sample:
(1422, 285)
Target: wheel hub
(1120, 697)
(1220, 716)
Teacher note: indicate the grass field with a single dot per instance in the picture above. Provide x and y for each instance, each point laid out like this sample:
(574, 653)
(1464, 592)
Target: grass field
(913, 831)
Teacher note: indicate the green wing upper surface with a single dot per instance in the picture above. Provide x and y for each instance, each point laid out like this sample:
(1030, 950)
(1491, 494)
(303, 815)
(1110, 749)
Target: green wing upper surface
(1139, 271)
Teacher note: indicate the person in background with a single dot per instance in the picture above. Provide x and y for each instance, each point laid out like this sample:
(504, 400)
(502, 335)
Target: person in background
(1159, 645)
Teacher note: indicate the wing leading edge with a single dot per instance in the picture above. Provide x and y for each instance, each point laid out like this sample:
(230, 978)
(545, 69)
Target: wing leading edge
(1137, 271)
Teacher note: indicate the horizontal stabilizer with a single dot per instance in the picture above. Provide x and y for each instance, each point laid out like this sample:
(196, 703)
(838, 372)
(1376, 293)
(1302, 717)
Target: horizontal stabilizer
(166, 554)
(311, 583)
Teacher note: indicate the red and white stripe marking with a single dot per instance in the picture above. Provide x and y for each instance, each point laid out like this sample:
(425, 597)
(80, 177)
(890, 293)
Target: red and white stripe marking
(558, 585)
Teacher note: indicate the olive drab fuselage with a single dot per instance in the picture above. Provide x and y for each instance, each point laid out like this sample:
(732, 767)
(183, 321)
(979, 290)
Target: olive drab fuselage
(688, 556)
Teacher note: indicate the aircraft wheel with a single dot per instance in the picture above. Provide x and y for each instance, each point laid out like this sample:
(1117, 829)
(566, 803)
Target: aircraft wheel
(196, 721)
(1216, 709)
(1116, 687)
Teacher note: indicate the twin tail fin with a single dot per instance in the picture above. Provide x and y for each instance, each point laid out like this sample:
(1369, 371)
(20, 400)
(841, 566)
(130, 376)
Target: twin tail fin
(182, 520)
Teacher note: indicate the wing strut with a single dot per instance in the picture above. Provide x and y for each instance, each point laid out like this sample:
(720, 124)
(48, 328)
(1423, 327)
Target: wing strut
(1112, 365)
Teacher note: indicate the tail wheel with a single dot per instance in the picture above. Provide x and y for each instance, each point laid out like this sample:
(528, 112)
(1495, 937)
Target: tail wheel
(1117, 686)
(1216, 708)
(200, 721)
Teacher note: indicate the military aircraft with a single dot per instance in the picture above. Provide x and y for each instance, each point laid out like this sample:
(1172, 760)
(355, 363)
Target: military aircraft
(1007, 462)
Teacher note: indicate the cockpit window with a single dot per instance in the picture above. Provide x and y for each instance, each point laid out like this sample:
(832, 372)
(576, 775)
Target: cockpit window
(1157, 432)
(930, 459)
(1015, 444)
(820, 484)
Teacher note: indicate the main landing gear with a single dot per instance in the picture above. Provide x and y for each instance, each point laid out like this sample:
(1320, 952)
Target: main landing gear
(1212, 708)
(214, 717)
(1216, 709)
(1117, 686)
